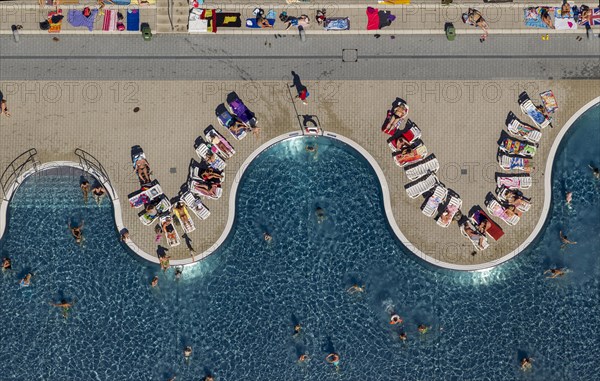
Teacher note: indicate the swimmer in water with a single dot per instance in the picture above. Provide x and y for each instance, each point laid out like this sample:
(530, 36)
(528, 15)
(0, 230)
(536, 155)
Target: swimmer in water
(164, 262)
(334, 359)
(209, 378)
(423, 329)
(6, 264)
(77, 232)
(320, 213)
(555, 273)
(26, 281)
(403, 336)
(355, 288)
(154, 282)
(303, 358)
(526, 363)
(595, 171)
(569, 198)
(396, 319)
(565, 240)
(297, 329)
(267, 237)
(178, 272)
(311, 148)
(64, 305)
(187, 353)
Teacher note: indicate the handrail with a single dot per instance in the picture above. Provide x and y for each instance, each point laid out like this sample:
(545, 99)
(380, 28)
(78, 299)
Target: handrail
(7, 179)
(90, 164)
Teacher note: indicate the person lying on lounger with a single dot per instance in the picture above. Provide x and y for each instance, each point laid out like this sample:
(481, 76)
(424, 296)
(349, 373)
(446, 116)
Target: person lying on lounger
(143, 170)
(483, 225)
(238, 127)
(167, 227)
(474, 236)
(513, 198)
(209, 175)
(408, 154)
(209, 189)
(214, 140)
(396, 115)
(447, 215)
(180, 208)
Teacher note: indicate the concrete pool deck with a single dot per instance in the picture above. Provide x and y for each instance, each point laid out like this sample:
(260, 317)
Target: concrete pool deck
(461, 124)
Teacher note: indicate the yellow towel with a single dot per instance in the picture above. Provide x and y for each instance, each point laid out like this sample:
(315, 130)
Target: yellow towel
(394, 2)
(229, 19)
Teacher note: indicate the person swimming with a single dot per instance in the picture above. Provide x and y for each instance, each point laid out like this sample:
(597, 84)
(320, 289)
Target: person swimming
(154, 282)
(187, 353)
(26, 281)
(311, 148)
(267, 237)
(320, 213)
(569, 198)
(334, 359)
(565, 240)
(355, 288)
(526, 363)
(303, 358)
(423, 329)
(65, 306)
(396, 319)
(595, 171)
(555, 273)
(77, 232)
(297, 330)
(178, 272)
(403, 336)
(6, 263)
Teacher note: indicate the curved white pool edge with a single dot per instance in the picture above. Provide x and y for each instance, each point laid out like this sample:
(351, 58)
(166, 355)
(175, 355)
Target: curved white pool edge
(55, 164)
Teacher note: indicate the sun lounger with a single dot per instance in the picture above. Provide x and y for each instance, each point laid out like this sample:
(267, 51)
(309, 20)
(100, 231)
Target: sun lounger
(417, 154)
(391, 130)
(514, 182)
(501, 212)
(196, 188)
(166, 223)
(410, 135)
(144, 196)
(493, 230)
(421, 186)
(203, 152)
(522, 130)
(429, 164)
(185, 220)
(478, 240)
(239, 109)
(196, 205)
(138, 159)
(523, 206)
(228, 121)
(217, 140)
(517, 147)
(449, 212)
(510, 163)
(434, 201)
(527, 106)
(162, 206)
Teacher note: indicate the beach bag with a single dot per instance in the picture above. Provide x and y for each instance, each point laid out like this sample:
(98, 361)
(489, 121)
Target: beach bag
(45, 25)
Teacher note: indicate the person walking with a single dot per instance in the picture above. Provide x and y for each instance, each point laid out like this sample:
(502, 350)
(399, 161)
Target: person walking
(300, 88)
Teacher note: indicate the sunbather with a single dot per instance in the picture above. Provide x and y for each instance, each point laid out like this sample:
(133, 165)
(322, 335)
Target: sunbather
(209, 189)
(407, 155)
(474, 17)
(483, 225)
(238, 127)
(513, 198)
(448, 214)
(476, 237)
(183, 216)
(395, 117)
(545, 15)
(214, 140)
(290, 21)
(142, 169)
(209, 174)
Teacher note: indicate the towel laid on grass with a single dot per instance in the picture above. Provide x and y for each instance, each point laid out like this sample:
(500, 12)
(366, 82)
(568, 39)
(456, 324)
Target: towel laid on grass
(76, 18)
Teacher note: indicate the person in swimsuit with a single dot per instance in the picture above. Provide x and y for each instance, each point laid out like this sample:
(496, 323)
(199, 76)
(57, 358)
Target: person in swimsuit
(187, 353)
(482, 227)
(267, 237)
(595, 171)
(297, 330)
(238, 127)
(164, 262)
(320, 213)
(85, 189)
(555, 273)
(396, 319)
(210, 174)
(26, 281)
(124, 235)
(334, 359)
(180, 208)
(209, 189)
(403, 336)
(396, 115)
(64, 305)
(526, 363)
(303, 358)
(178, 273)
(154, 282)
(475, 236)
(98, 193)
(77, 232)
(565, 241)
(142, 168)
(214, 139)
(356, 289)
(514, 199)
(474, 17)
(6, 264)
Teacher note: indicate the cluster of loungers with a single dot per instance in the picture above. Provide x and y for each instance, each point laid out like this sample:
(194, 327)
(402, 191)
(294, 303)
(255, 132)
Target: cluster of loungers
(410, 153)
(204, 180)
(515, 154)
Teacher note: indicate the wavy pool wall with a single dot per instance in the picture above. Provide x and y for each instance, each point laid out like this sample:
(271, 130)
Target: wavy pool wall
(382, 181)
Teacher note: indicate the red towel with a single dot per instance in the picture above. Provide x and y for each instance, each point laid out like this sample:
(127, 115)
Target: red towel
(373, 17)
(494, 230)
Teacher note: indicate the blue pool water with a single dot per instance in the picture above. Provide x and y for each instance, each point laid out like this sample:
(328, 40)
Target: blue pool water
(237, 308)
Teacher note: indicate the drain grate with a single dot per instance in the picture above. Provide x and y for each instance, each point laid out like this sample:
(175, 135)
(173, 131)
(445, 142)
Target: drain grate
(463, 171)
(349, 55)
(172, 170)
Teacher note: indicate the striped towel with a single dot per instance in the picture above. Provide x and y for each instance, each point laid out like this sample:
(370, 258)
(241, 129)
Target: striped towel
(110, 21)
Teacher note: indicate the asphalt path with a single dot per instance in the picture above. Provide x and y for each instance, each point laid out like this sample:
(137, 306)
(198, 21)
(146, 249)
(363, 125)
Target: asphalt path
(270, 57)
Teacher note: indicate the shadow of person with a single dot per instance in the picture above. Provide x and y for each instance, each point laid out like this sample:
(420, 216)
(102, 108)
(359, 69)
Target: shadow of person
(161, 251)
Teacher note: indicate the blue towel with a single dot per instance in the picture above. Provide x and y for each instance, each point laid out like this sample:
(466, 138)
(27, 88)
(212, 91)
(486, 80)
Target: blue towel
(251, 23)
(337, 24)
(534, 22)
(76, 18)
(133, 19)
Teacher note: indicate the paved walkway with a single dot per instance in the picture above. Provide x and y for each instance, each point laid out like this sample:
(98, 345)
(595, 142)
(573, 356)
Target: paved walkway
(461, 123)
(422, 18)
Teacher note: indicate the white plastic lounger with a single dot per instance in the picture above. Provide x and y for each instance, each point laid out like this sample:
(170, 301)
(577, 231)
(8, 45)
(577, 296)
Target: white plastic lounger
(218, 163)
(219, 141)
(429, 164)
(534, 114)
(524, 206)
(411, 135)
(514, 182)
(509, 163)
(166, 223)
(195, 187)
(185, 220)
(434, 201)
(499, 211)
(451, 209)
(421, 186)
(137, 200)
(476, 238)
(196, 206)
(146, 218)
(520, 130)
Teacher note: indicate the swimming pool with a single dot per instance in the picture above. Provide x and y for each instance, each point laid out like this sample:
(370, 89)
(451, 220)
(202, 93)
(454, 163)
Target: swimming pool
(237, 308)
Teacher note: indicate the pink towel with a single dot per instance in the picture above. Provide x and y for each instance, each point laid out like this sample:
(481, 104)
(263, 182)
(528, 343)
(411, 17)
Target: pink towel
(110, 21)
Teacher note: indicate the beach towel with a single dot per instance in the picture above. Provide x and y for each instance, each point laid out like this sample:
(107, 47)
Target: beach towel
(337, 23)
(549, 101)
(110, 21)
(394, 2)
(55, 19)
(251, 23)
(76, 18)
(592, 19)
(566, 22)
(533, 18)
(121, 2)
(133, 19)
(494, 231)
(373, 18)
